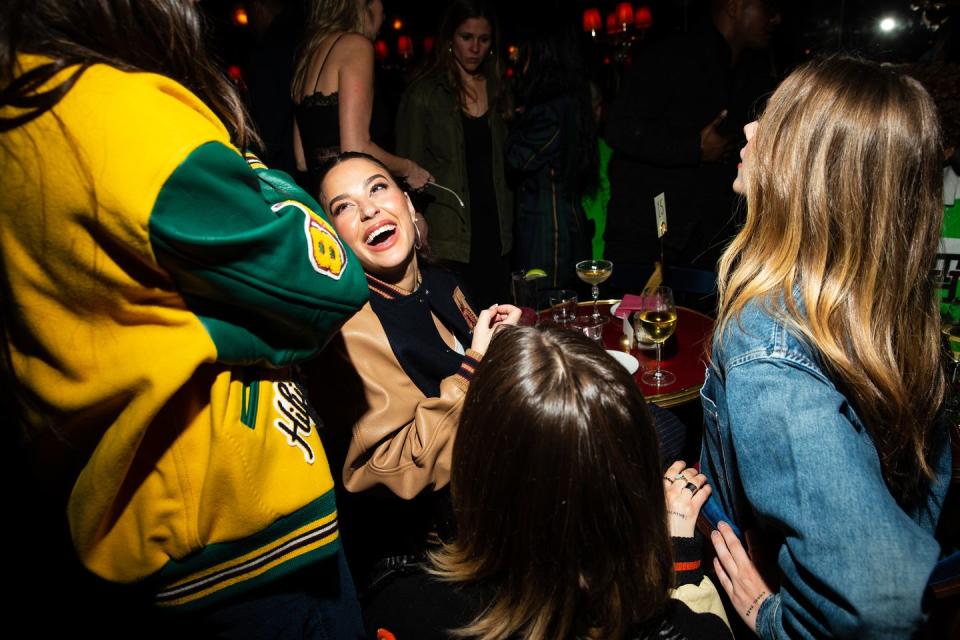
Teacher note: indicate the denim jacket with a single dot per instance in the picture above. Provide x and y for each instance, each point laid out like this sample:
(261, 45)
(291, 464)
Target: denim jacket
(788, 457)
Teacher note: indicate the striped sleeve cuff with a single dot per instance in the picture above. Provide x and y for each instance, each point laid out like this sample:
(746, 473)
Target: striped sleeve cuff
(687, 564)
(469, 365)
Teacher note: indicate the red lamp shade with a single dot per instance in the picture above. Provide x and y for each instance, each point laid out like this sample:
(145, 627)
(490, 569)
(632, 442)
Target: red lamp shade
(643, 19)
(405, 46)
(428, 43)
(625, 13)
(612, 24)
(381, 50)
(592, 20)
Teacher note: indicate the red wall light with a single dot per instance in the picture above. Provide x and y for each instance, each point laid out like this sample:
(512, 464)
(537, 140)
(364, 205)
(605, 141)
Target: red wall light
(612, 25)
(625, 13)
(643, 19)
(592, 20)
(405, 46)
(381, 50)
(428, 43)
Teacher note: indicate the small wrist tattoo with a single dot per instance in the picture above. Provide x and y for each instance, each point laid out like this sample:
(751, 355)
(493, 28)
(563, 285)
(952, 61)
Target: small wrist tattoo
(678, 514)
(755, 601)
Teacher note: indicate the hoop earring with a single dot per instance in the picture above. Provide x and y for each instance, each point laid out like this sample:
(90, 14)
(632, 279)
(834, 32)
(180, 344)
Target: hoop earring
(418, 243)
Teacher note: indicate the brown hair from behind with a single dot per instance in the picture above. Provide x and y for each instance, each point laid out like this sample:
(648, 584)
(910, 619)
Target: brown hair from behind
(557, 492)
(844, 205)
(157, 36)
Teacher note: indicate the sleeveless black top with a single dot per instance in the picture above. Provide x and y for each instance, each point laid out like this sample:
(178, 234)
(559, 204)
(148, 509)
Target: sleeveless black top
(318, 118)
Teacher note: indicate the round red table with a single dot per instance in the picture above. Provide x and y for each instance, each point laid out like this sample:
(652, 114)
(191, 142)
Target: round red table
(684, 354)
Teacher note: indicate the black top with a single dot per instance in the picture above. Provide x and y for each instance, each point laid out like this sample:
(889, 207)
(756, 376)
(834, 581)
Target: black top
(318, 118)
(416, 605)
(487, 272)
(484, 222)
(410, 329)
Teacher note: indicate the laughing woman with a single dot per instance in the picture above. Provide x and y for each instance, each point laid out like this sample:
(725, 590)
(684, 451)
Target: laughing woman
(402, 365)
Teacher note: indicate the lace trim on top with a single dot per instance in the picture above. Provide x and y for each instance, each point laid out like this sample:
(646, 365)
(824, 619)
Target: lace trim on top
(321, 100)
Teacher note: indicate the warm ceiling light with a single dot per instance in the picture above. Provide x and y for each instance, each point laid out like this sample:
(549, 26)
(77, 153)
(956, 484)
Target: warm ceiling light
(240, 17)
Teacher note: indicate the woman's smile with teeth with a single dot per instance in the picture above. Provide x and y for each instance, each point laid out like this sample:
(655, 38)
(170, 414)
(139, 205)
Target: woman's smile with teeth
(379, 231)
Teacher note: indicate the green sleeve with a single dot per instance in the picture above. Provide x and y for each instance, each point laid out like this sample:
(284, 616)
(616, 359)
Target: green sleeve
(254, 257)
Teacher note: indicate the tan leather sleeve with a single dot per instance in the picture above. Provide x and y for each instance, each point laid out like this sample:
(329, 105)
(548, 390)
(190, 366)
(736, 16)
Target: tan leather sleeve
(403, 440)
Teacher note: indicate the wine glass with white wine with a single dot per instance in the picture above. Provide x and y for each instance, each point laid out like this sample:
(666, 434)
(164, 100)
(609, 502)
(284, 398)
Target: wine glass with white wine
(658, 317)
(593, 272)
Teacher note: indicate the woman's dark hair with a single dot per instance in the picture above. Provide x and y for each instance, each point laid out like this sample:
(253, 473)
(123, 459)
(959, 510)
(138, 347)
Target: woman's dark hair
(557, 492)
(343, 156)
(157, 36)
(441, 60)
(552, 67)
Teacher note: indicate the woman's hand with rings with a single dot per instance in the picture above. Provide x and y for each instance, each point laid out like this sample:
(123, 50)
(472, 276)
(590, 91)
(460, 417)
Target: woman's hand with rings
(685, 491)
(738, 575)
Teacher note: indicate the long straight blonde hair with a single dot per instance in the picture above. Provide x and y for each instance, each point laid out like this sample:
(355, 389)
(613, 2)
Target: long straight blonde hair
(843, 193)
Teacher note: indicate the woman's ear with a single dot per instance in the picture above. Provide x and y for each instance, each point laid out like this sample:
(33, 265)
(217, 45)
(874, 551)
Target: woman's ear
(410, 208)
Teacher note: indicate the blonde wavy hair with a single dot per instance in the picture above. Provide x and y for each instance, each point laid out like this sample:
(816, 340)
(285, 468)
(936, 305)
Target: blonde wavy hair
(843, 196)
(323, 18)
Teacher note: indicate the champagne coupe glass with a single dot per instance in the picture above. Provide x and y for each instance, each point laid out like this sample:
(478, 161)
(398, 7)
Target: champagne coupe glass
(593, 272)
(658, 317)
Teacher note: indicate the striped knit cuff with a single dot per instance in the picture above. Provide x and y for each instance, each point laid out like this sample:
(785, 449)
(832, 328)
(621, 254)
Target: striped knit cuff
(470, 361)
(687, 565)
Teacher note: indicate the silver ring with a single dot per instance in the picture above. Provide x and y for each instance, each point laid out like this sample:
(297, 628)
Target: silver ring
(693, 488)
(679, 476)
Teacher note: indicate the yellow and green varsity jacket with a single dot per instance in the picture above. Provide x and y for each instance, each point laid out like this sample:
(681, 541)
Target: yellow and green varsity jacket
(163, 288)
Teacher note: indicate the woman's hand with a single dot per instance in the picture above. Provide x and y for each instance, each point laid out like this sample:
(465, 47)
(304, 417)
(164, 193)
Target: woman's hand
(489, 320)
(685, 491)
(738, 575)
(416, 176)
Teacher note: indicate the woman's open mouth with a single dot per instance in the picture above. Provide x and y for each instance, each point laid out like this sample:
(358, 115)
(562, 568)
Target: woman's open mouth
(382, 236)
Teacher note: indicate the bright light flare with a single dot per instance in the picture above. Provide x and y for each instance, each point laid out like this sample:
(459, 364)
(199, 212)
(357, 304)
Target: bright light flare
(887, 25)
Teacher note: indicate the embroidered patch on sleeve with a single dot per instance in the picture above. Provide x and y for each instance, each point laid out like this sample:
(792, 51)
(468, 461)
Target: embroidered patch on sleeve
(468, 315)
(324, 248)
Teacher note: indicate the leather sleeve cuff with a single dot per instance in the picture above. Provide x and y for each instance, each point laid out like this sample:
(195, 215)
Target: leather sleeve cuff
(467, 368)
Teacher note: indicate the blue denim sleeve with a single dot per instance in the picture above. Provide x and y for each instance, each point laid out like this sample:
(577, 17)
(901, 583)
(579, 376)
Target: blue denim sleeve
(853, 563)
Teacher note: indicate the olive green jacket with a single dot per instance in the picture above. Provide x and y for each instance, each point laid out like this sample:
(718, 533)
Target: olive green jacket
(430, 132)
